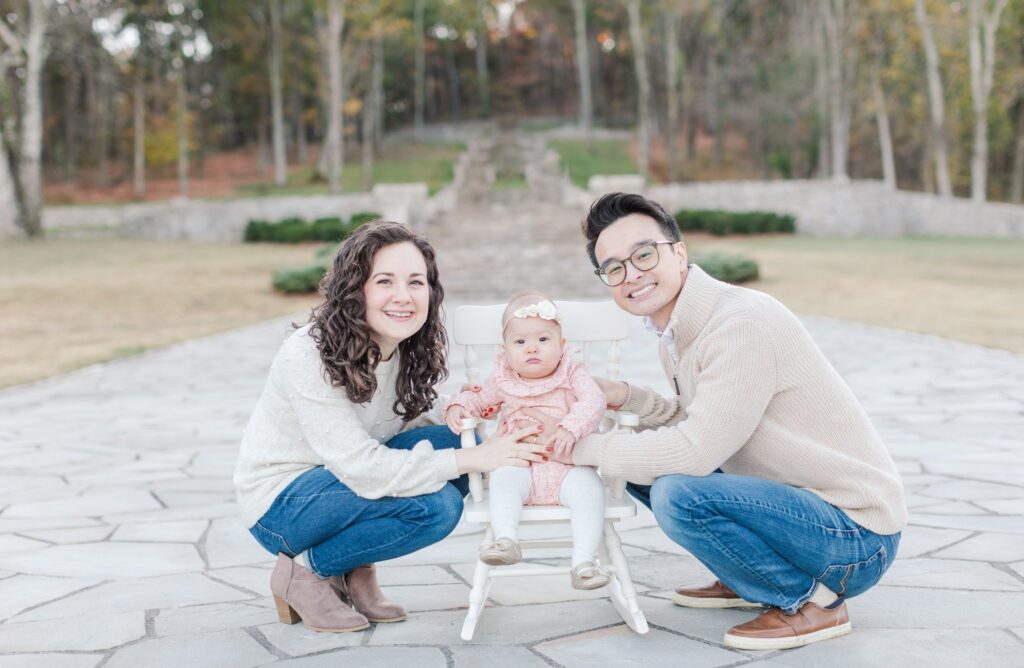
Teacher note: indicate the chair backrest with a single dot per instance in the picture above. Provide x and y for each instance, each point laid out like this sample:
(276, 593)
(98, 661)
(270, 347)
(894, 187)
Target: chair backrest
(583, 324)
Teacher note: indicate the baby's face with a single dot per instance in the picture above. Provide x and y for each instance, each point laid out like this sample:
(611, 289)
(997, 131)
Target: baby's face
(533, 346)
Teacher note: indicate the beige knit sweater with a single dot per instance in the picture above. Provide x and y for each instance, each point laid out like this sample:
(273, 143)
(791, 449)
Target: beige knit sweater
(302, 421)
(756, 397)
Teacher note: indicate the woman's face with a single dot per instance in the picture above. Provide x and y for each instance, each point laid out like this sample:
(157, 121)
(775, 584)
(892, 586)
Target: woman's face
(397, 295)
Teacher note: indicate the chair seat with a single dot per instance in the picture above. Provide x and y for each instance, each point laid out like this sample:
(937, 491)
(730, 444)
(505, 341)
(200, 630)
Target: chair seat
(614, 509)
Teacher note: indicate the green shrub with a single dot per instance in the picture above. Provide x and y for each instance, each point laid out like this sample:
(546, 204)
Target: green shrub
(728, 268)
(256, 230)
(360, 218)
(300, 280)
(329, 229)
(721, 223)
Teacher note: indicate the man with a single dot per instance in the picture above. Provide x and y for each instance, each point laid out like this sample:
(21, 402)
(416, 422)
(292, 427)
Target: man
(764, 466)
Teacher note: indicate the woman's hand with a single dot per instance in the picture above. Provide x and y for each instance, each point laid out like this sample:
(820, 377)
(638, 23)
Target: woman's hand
(489, 412)
(616, 392)
(499, 450)
(563, 441)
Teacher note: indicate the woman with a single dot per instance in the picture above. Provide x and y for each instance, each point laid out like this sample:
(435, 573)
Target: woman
(335, 471)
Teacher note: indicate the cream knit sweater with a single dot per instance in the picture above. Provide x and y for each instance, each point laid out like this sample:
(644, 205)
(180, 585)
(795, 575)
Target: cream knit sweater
(758, 398)
(302, 421)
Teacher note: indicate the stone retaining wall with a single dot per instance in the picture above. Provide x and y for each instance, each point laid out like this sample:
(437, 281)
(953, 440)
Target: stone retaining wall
(826, 208)
(225, 220)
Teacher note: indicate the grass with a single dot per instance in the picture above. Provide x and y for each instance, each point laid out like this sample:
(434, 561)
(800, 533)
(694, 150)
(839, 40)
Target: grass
(605, 156)
(402, 163)
(964, 289)
(68, 303)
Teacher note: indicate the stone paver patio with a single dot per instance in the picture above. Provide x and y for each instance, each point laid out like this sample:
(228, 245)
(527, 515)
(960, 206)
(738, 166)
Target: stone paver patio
(120, 543)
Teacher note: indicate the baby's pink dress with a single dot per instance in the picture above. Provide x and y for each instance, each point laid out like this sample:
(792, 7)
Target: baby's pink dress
(569, 394)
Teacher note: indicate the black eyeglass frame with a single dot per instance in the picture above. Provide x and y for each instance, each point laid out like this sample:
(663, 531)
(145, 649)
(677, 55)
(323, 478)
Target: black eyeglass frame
(602, 272)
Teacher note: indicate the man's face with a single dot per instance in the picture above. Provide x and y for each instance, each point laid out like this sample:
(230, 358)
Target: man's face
(652, 292)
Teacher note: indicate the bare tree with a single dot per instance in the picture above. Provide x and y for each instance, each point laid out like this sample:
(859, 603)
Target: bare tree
(586, 104)
(182, 129)
(935, 102)
(835, 15)
(483, 85)
(670, 16)
(377, 82)
(419, 94)
(139, 123)
(334, 147)
(821, 74)
(28, 49)
(884, 133)
(1017, 176)
(276, 96)
(982, 51)
(636, 36)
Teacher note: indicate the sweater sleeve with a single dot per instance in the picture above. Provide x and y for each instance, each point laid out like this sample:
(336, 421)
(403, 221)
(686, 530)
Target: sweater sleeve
(653, 409)
(333, 431)
(587, 412)
(737, 380)
(476, 402)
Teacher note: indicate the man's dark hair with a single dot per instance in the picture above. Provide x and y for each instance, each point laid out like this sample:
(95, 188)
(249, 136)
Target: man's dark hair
(614, 206)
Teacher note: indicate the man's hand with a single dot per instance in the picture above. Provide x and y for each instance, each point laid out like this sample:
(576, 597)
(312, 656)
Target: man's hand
(615, 392)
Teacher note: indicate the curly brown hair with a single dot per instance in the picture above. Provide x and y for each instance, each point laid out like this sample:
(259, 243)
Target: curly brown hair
(342, 335)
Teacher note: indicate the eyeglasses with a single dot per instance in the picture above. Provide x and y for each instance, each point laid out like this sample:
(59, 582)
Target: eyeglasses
(613, 272)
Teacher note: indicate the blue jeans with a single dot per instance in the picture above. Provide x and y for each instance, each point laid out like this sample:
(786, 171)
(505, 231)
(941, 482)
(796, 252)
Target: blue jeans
(768, 542)
(340, 530)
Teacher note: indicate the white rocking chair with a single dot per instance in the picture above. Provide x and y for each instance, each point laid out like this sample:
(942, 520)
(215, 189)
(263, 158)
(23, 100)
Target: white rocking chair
(583, 323)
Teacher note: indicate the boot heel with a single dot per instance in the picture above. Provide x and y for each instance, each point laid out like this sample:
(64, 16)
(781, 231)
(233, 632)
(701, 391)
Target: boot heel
(285, 612)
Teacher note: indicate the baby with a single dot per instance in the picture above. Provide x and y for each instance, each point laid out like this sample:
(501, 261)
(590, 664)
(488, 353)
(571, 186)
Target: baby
(536, 370)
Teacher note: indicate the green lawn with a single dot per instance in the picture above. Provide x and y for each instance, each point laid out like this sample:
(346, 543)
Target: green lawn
(404, 163)
(604, 156)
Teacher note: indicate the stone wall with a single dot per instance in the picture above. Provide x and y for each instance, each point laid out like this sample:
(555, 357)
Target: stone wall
(225, 220)
(825, 208)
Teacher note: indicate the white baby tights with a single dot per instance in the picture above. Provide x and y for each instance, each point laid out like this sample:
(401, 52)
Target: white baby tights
(581, 491)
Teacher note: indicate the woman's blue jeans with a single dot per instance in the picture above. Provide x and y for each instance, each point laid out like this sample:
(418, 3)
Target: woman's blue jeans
(340, 530)
(768, 542)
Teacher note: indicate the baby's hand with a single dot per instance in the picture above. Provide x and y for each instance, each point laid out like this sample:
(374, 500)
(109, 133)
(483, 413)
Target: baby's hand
(454, 416)
(563, 442)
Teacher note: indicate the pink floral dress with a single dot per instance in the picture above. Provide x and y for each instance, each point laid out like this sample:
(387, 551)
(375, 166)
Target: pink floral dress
(569, 394)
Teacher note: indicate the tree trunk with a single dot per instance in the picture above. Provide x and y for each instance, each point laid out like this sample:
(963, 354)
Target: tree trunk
(182, 133)
(301, 146)
(103, 108)
(586, 107)
(419, 92)
(483, 85)
(982, 48)
(368, 117)
(884, 134)
(1017, 176)
(452, 72)
(671, 19)
(936, 102)
(643, 81)
(821, 94)
(377, 80)
(334, 148)
(11, 213)
(276, 96)
(29, 162)
(834, 14)
(139, 127)
(71, 95)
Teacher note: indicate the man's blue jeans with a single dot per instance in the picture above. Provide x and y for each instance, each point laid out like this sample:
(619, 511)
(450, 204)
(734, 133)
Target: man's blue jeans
(768, 542)
(340, 530)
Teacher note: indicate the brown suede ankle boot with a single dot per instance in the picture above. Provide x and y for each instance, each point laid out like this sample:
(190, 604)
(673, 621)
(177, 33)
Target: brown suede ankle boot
(361, 590)
(301, 594)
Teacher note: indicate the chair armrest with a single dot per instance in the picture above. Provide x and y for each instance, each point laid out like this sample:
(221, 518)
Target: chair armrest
(476, 480)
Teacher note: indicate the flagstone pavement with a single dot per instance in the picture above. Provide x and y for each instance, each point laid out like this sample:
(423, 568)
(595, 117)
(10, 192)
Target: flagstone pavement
(120, 543)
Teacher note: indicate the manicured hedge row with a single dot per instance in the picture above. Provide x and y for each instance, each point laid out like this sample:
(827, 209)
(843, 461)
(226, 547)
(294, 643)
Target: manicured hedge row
(728, 268)
(296, 230)
(721, 223)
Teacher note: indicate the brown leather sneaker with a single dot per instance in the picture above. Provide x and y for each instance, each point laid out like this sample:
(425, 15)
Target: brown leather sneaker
(776, 630)
(714, 595)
